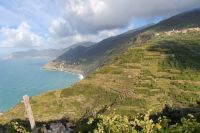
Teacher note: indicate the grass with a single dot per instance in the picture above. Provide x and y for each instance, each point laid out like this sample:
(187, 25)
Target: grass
(164, 70)
(187, 86)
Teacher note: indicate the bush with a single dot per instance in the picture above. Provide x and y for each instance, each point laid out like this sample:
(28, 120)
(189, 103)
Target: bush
(122, 124)
(13, 127)
(115, 123)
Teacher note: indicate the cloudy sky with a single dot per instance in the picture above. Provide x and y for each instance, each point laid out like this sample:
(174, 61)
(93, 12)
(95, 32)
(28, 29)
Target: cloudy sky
(39, 24)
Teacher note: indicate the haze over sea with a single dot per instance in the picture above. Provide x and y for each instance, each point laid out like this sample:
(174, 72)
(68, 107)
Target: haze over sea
(25, 76)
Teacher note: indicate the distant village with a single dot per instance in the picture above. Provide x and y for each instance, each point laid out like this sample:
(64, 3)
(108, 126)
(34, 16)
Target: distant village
(183, 31)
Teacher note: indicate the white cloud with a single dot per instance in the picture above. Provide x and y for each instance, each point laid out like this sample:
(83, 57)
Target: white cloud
(96, 19)
(60, 28)
(64, 42)
(92, 16)
(20, 37)
(64, 22)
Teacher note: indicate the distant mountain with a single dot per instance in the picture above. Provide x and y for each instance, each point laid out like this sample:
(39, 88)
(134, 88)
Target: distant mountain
(184, 20)
(72, 52)
(46, 53)
(87, 59)
(33, 53)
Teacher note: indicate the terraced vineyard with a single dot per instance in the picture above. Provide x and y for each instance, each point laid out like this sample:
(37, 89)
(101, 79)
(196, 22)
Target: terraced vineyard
(163, 71)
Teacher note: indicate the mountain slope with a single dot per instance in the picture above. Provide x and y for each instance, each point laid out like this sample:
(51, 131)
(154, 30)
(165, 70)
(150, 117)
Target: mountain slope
(164, 70)
(184, 20)
(88, 59)
(149, 74)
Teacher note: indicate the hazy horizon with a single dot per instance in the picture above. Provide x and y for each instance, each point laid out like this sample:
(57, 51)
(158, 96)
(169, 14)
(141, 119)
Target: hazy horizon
(59, 24)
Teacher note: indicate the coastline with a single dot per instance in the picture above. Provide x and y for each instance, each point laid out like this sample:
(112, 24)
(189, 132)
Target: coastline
(62, 67)
(76, 72)
(47, 81)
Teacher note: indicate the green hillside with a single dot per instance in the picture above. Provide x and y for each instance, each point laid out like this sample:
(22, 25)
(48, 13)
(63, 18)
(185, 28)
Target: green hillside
(129, 74)
(163, 71)
(88, 59)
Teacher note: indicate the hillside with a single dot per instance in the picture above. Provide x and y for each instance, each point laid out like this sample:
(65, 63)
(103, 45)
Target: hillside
(87, 59)
(184, 20)
(163, 71)
(136, 71)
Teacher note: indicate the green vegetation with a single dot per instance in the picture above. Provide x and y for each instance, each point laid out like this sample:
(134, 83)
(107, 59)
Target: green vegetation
(162, 71)
(114, 123)
(169, 120)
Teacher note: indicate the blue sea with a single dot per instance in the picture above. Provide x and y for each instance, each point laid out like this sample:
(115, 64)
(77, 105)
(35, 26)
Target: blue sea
(25, 77)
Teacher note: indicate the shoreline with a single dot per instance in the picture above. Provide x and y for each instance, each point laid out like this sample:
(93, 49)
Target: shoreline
(59, 66)
(78, 75)
(81, 75)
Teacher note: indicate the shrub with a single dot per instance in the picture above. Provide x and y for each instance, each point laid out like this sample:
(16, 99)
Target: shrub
(115, 123)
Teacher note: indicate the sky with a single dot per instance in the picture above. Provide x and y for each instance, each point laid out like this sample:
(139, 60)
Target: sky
(42, 24)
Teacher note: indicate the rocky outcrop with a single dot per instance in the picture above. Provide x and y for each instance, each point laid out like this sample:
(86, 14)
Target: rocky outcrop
(56, 128)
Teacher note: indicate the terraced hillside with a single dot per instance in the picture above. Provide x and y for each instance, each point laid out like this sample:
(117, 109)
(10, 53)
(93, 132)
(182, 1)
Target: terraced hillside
(162, 71)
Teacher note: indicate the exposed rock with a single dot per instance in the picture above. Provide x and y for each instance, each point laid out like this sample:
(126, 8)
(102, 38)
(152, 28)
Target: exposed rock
(56, 128)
